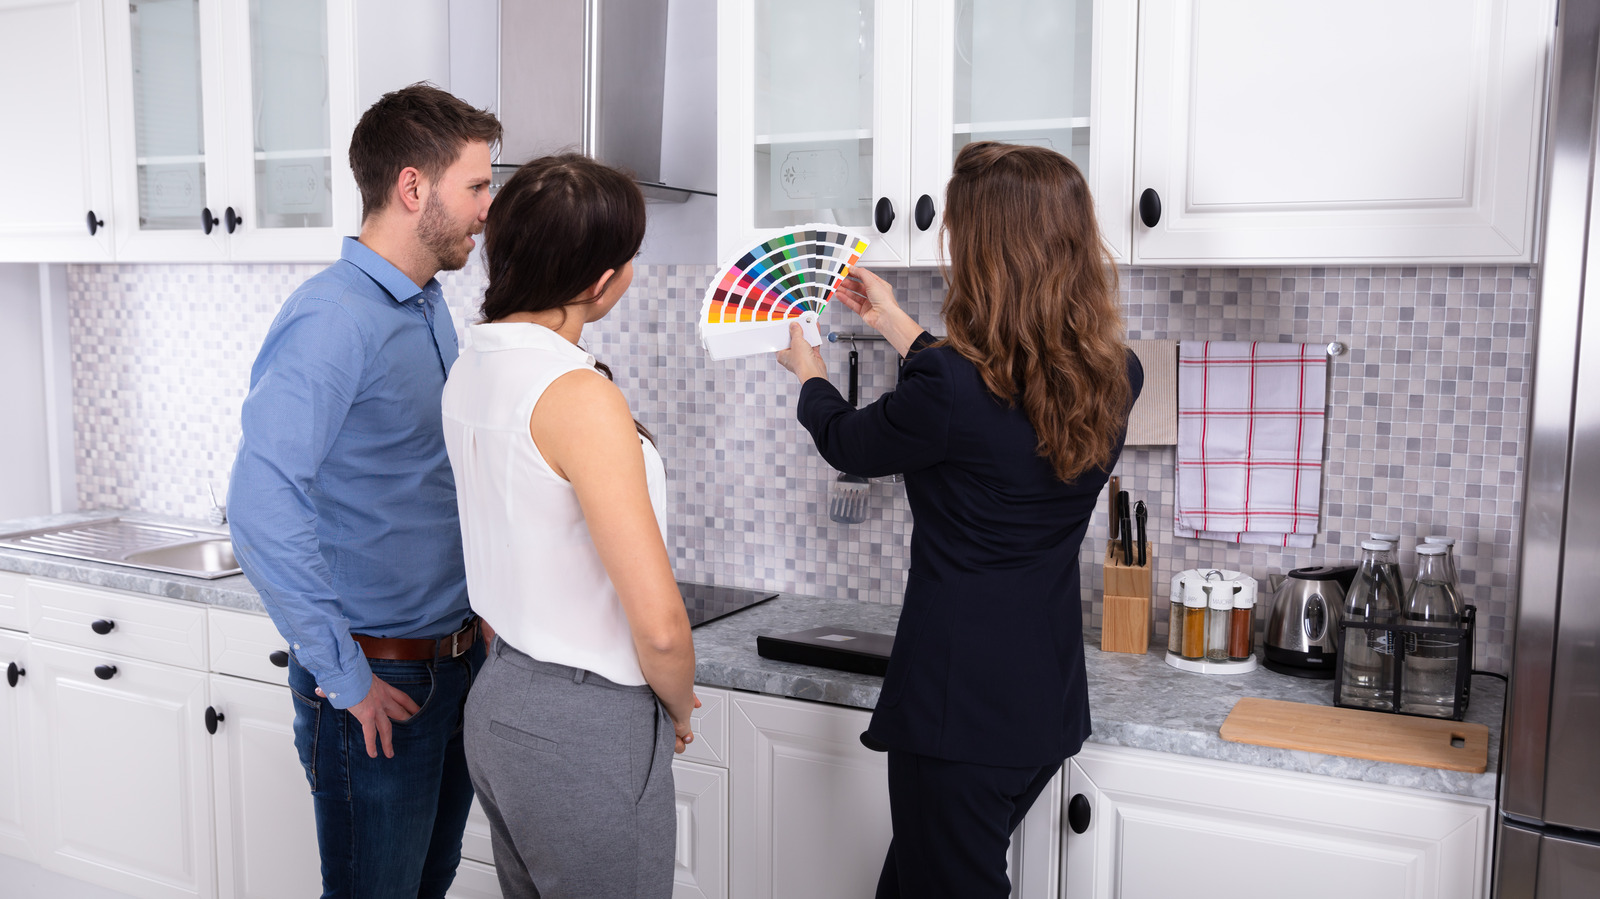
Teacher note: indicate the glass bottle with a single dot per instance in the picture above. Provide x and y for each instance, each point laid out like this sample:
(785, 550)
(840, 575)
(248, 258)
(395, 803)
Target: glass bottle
(1175, 618)
(1194, 622)
(1449, 543)
(1219, 611)
(1242, 624)
(1428, 686)
(1389, 563)
(1367, 669)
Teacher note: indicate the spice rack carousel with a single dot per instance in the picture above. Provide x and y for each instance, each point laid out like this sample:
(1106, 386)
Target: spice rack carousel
(1211, 622)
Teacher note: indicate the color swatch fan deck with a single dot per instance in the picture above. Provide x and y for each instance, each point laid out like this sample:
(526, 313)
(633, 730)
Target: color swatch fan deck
(790, 277)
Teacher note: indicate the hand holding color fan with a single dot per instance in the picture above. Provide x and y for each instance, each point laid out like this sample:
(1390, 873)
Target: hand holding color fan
(790, 277)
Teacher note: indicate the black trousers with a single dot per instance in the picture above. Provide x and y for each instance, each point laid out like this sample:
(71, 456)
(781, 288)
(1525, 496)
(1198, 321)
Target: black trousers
(952, 826)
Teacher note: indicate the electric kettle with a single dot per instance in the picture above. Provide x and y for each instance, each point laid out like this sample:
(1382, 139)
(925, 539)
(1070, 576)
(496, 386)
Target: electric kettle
(1303, 625)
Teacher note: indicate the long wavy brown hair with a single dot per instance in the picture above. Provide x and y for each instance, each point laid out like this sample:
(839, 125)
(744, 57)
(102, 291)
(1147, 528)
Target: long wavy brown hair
(1032, 299)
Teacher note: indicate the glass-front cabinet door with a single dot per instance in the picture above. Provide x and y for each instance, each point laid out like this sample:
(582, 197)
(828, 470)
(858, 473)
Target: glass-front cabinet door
(167, 136)
(289, 127)
(816, 129)
(1050, 73)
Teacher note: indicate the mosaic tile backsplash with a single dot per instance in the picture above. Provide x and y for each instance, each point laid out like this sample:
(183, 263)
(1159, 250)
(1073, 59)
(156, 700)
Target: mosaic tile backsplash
(1426, 415)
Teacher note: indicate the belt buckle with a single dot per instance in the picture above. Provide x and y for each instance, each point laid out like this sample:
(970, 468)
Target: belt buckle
(456, 649)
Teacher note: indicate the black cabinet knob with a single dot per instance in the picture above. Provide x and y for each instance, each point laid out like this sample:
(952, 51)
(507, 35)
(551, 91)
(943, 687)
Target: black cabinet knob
(105, 672)
(231, 219)
(1078, 813)
(208, 221)
(95, 223)
(102, 626)
(1150, 207)
(883, 215)
(14, 674)
(923, 214)
(213, 718)
(279, 658)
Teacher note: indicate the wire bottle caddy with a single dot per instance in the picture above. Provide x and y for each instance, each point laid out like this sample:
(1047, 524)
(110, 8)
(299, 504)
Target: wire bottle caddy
(1395, 641)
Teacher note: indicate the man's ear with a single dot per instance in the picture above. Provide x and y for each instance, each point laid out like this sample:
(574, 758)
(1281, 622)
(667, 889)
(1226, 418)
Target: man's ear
(409, 188)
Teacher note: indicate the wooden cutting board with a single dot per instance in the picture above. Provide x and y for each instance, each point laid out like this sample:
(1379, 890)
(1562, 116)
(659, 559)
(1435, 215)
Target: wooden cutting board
(1379, 736)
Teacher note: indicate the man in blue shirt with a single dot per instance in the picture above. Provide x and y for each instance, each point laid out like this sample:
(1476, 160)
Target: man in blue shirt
(343, 505)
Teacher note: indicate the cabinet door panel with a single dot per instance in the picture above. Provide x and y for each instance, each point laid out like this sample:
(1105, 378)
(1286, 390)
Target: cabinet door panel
(57, 145)
(123, 775)
(266, 829)
(1359, 132)
(13, 758)
(1161, 823)
(701, 856)
(13, 601)
(810, 804)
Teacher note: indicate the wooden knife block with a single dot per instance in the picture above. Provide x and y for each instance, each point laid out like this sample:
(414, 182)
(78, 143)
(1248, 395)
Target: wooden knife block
(1125, 618)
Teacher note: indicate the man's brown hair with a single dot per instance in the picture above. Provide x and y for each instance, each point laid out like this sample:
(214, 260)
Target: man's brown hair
(419, 126)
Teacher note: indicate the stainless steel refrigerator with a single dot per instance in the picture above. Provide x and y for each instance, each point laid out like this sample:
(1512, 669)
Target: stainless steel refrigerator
(1548, 841)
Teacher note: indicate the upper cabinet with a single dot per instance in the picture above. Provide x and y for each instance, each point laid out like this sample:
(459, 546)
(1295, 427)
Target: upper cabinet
(56, 151)
(1267, 133)
(850, 111)
(224, 128)
(1367, 131)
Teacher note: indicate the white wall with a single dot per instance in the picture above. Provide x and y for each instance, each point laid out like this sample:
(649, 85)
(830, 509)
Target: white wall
(24, 446)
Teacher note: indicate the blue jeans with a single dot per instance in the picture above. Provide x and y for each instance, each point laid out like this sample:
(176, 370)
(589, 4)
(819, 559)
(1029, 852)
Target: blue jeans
(389, 827)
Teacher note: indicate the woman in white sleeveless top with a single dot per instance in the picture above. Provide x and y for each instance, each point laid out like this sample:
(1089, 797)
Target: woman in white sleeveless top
(571, 726)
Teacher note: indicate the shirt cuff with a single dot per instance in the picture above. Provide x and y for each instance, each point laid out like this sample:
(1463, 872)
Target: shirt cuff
(348, 688)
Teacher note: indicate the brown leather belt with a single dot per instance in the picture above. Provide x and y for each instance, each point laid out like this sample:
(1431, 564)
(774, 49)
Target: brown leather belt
(416, 649)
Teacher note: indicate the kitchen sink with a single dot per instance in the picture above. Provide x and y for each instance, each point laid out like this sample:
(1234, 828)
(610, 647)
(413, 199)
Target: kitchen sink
(153, 546)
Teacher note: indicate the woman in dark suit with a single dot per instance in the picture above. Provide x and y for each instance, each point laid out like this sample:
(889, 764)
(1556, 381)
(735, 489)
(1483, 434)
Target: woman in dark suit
(1006, 431)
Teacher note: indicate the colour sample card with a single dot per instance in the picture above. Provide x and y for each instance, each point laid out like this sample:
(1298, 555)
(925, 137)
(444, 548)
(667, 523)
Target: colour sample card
(749, 304)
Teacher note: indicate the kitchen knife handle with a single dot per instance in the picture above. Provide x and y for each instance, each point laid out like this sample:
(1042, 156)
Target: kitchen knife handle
(1141, 514)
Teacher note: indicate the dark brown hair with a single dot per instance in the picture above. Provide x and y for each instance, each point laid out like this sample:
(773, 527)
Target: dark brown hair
(419, 126)
(554, 227)
(1032, 300)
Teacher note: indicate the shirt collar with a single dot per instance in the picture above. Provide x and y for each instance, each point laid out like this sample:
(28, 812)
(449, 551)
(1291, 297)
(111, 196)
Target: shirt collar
(488, 337)
(400, 287)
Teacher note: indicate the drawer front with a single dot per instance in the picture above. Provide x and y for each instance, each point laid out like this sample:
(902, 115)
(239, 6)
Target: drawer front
(173, 633)
(247, 645)
(710, 723)
(13, 601)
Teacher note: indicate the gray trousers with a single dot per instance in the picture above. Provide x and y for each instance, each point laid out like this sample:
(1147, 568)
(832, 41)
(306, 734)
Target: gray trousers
(575, 775)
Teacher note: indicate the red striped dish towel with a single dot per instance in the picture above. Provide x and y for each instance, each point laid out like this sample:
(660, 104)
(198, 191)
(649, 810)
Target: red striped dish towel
(1250, 425)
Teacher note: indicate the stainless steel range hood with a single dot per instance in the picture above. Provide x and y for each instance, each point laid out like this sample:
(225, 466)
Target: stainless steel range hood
(599, 76)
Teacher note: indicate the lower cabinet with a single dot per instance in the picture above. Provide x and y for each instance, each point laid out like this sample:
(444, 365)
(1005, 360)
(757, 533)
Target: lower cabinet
(1154, 824)
(13, 751)
(266, 831)
(700, 869)
(121, 772)
(810, 807)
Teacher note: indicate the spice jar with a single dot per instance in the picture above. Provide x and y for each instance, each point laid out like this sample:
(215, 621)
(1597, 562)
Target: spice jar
(1194, 621)
(1219, 611)
(1242, 624)
(1175, 617)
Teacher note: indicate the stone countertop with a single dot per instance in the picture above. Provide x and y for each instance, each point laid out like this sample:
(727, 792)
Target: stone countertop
(1137, 701)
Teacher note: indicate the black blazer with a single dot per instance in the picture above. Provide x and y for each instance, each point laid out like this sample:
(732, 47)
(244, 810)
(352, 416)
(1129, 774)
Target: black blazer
(987, 665)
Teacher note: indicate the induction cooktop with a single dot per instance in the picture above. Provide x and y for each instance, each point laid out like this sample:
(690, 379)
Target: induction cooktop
(706, 602)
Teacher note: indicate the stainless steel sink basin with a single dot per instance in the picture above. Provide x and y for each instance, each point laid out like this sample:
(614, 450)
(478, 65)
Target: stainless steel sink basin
(208, 556)
(174, 549)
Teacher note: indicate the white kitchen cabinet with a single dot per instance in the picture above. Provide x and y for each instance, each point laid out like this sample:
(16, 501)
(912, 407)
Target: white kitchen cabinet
(121, 772)
(700, 858)
(1165, 825)
(1359, 132)
(474, 880)
(13, 601)
(13, 747)
(810, 807)
(266, 829)
(228, 123)
(850, 111)
(57, 152)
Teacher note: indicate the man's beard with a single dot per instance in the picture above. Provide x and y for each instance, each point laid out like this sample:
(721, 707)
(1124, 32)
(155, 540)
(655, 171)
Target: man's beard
(443, 237)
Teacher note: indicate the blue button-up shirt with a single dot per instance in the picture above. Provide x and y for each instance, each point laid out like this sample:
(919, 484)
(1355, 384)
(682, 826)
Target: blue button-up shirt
(342, 504)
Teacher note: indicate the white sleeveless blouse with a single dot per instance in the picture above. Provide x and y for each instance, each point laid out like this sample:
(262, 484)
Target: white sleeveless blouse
(532, 568)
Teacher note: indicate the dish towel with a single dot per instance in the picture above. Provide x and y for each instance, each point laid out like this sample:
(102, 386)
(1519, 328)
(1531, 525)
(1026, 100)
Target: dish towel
(1250, 426)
